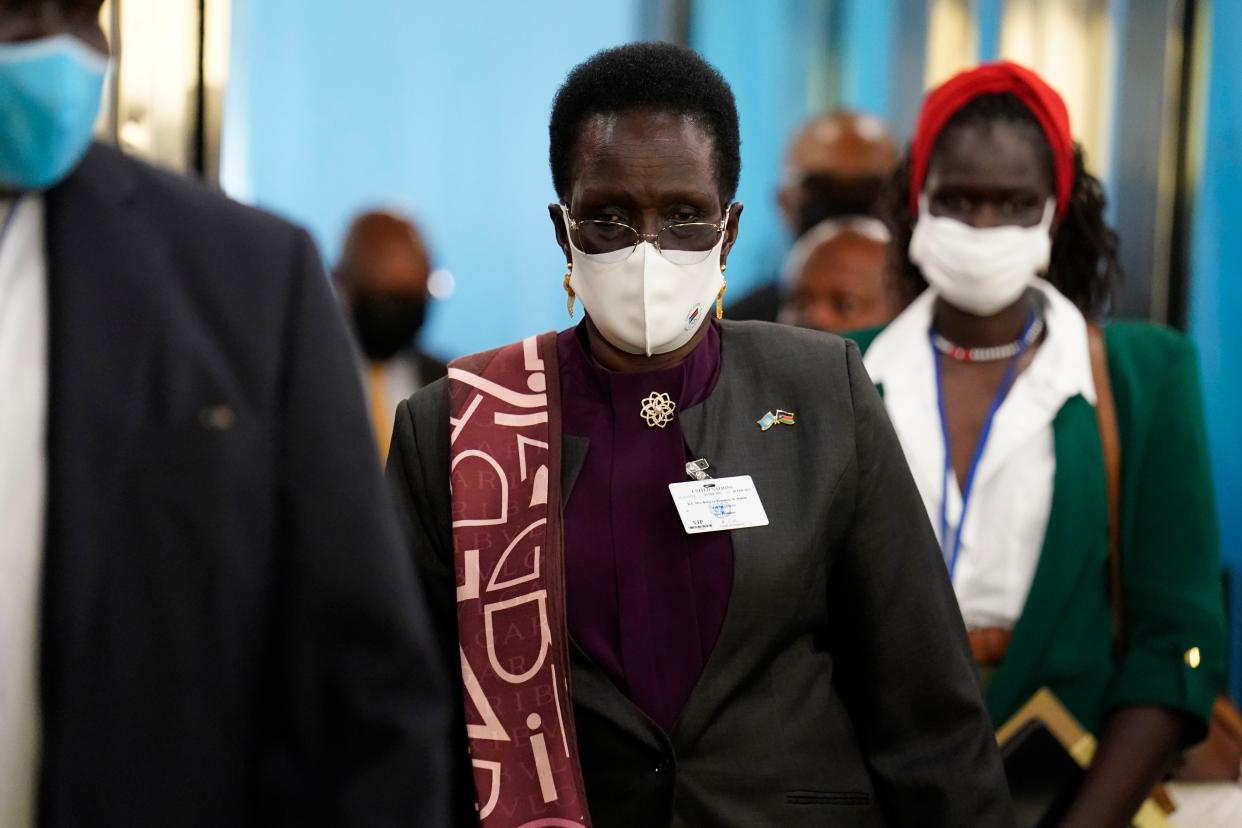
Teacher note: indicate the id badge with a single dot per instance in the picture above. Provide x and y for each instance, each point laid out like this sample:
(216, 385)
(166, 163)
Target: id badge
(718, 505)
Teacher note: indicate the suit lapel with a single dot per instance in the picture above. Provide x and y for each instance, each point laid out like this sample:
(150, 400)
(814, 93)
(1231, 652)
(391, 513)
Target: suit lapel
(1078, 514)
(594, 690)
(723, 431)
(99, 348)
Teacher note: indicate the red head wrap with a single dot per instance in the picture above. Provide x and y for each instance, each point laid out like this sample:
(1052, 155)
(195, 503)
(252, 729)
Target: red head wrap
(943, 102)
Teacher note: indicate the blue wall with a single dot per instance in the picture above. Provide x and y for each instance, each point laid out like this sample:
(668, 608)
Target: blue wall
(865, 42)
(1216, 290)
(776, 61)
(435, 108)
(441, 111)
(767, 59)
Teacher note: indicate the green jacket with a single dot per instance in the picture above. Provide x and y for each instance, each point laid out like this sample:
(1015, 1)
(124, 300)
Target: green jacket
(1172, 594)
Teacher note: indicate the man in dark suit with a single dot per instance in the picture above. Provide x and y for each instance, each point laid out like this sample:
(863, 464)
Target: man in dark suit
(208, 618)
(383, 282)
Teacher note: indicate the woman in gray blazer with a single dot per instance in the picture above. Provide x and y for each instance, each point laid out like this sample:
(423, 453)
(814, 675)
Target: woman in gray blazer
(679, 563)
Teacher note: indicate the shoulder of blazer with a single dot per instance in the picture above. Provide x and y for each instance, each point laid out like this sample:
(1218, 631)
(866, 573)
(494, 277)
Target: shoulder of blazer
(185, 212)
(781, 351)
(429, 410)
(428, 457)
(1139, 352)
(1142, 360)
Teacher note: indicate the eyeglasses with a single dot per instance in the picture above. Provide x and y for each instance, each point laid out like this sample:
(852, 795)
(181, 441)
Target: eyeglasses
(684, 243)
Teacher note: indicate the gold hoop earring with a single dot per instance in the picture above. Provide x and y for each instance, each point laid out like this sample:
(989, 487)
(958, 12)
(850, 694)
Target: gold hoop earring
(569, 290)
(720, 296)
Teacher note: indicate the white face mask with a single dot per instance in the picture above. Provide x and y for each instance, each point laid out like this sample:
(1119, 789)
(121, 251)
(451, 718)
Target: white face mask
(981, 270)
(643, 303)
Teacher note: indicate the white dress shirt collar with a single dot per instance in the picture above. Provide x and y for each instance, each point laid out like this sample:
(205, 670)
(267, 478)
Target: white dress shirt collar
(1006, 523)
(1061, 368)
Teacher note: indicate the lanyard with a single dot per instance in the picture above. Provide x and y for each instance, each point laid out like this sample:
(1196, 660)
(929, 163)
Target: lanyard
(950, 549)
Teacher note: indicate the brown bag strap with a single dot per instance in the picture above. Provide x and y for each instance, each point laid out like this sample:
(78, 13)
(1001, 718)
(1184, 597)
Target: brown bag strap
(1110, 443)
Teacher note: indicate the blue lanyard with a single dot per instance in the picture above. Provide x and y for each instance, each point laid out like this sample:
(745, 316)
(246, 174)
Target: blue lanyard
(950, 550)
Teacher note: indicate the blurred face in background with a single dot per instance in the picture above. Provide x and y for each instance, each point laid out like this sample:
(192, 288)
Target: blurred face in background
(836, 166)
(842, 285)
(382, 278)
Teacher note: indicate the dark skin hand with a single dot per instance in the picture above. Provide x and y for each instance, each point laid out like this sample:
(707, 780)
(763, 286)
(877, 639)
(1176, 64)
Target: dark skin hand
(646, 169)
(986, 177)
(1137, 747)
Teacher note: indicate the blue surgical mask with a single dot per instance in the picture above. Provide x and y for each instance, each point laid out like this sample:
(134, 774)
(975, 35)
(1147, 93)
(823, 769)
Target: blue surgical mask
(49, 97)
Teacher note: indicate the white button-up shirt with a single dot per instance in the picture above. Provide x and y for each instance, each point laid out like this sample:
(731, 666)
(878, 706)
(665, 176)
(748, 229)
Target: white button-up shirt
(1012, 494)
(23, 490)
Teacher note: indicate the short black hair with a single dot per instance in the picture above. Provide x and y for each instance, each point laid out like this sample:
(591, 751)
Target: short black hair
(660, 77)
(1084, 264)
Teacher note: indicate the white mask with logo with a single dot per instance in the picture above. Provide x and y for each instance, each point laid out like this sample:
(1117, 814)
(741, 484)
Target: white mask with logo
(981, 270)
(644, 303)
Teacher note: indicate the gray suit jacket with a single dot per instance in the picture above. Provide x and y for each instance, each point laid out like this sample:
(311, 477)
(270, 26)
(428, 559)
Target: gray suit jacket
(841, 690)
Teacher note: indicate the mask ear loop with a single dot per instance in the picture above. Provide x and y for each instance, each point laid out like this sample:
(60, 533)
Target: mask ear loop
(924, 206)
(569, 265)
(1050, 213)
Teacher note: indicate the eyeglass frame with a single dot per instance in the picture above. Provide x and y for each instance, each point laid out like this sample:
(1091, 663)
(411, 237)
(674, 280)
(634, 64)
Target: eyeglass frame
(652, 238)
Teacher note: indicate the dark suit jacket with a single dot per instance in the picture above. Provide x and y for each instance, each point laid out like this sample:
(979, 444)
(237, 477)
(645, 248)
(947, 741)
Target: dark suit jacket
(841, 690)
(430, 368)
(231, 634)
(763, 304)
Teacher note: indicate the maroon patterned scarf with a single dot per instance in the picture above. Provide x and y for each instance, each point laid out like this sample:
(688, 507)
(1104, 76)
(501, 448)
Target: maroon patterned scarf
(505, 438)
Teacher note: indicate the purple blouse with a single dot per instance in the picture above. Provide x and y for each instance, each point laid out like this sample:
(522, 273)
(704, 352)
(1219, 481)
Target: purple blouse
(645, 600)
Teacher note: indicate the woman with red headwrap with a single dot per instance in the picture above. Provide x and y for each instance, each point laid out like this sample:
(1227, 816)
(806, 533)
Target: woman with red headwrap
(1009, 401)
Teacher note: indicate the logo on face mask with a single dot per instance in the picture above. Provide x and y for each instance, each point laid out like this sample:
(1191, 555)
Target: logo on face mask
(692, 319)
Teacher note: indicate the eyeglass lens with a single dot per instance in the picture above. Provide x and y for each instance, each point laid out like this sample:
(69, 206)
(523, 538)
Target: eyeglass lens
(596, 237)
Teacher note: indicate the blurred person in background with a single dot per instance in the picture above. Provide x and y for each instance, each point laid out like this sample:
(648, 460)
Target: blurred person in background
(783, 648)
(1010, 402)
(206, 616)
(835, 167)
(837, 277)
(382, 281)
